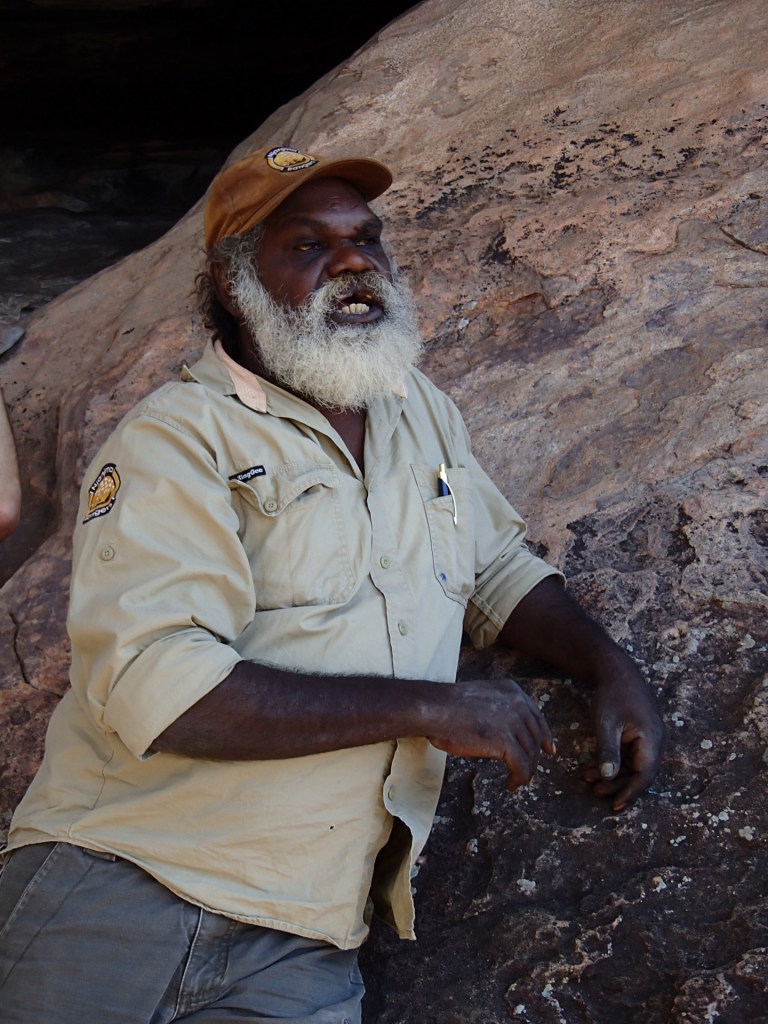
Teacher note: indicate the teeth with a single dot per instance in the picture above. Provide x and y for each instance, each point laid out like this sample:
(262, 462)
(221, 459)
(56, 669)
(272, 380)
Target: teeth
(355, 307)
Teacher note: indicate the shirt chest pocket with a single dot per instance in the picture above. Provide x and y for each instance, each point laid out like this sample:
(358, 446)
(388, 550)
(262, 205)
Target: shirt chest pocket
(451, 529)
(292, 529)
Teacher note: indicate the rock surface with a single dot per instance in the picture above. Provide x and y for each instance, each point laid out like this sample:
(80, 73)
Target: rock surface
(579, 206)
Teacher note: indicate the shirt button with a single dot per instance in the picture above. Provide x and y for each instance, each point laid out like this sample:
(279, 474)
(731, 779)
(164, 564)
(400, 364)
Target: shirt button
(384, 562)
(402, 628)
(391, 793)
(107, 553)
(270, 505)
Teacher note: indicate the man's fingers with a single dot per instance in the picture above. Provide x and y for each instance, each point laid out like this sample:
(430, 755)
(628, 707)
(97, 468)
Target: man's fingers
(609, 762)
(629, 793)
(529, 735)
(636, 772)
(538, 726)
(629, 788)
(608, 749)
(520, 754)
(521, 770)
(548, 740)
(532, 736)
(521, 762)
(515, 782)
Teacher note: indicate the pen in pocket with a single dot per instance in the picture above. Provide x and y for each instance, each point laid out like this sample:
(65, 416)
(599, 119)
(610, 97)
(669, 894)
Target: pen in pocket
(444, 489)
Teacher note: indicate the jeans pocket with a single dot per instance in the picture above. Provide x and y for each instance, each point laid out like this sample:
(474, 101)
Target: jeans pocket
(18, 879)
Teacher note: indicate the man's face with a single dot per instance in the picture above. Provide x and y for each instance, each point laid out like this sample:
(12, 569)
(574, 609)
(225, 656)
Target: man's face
(321, 231)
(318, 310)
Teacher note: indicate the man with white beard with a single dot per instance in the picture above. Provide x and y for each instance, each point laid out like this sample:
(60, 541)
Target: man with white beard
(274, 562)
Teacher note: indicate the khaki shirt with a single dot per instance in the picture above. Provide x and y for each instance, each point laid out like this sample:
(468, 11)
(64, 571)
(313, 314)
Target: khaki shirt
(225, 520)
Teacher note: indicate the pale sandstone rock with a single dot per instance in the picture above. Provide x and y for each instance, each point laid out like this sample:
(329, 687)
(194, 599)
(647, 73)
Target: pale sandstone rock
(579, 205)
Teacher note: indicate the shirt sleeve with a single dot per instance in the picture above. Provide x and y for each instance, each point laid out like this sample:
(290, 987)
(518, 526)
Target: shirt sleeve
(505, 568)
(161, 584)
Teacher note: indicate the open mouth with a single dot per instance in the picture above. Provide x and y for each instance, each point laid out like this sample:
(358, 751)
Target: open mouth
(360, 307)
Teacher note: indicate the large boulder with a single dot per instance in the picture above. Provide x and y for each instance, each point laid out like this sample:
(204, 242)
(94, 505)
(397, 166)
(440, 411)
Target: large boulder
(579, 205)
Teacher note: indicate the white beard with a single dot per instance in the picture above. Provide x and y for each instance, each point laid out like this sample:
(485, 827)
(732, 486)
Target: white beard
(337, 367)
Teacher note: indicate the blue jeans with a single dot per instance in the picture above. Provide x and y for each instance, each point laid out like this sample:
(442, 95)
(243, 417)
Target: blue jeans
(85, 937)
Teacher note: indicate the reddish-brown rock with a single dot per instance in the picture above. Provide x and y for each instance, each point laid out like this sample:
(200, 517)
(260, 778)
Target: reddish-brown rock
(579, 205)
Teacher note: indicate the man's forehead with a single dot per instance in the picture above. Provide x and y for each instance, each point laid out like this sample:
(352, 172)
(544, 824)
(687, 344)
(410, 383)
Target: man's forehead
(318, 198)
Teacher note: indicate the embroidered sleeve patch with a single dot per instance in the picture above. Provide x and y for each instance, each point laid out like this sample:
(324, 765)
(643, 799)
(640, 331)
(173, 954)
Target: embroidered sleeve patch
(103, 492)
(248, 474)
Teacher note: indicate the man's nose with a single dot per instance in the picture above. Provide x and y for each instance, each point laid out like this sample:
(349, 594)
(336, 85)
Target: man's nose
(347, 258)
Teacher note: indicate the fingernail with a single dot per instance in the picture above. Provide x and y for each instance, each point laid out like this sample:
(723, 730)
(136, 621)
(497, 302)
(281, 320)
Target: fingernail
(606, 769)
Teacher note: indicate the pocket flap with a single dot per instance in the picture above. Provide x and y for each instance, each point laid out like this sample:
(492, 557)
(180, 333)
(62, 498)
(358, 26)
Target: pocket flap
(278, 488)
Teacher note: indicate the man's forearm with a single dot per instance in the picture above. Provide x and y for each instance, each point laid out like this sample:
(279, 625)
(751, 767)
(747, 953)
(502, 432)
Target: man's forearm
(263, 713)
(550, 626)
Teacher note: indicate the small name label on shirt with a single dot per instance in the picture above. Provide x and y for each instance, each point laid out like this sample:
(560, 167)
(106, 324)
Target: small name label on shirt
(249, 474)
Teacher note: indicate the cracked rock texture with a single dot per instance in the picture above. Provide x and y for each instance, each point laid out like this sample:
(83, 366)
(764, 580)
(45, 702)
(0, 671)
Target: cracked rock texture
(580, 208)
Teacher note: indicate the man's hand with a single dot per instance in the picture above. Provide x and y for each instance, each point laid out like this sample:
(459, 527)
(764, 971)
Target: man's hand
(547, 624)
(495, 718)
(631, 737)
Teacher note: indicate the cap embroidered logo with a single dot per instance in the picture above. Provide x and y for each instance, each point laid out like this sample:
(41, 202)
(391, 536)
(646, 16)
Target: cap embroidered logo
(285, 159)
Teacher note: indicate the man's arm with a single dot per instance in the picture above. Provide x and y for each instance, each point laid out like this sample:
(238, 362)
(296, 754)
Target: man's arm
(262, 713)
(548, 625)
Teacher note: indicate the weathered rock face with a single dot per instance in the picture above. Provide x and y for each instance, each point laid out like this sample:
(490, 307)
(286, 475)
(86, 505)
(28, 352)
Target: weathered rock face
(579, 205)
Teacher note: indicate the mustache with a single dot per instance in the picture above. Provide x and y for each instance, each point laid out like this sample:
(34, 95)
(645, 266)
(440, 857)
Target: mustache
(369, 286)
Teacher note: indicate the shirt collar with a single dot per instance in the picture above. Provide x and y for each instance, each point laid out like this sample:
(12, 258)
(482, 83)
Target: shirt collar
(247, 386)
(216, 370)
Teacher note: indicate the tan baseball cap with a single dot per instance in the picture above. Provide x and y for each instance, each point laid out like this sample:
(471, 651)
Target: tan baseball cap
(244, 194)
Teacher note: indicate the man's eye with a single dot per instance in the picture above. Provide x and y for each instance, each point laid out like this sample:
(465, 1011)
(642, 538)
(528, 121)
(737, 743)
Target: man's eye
(367, 241)
(307, 246)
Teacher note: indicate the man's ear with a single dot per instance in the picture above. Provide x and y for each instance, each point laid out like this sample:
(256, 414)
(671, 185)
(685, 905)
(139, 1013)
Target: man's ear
(221, 287)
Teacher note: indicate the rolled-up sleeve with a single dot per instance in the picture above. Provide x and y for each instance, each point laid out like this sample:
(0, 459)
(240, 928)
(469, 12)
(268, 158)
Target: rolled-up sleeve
(505, 569)
(161, 585)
